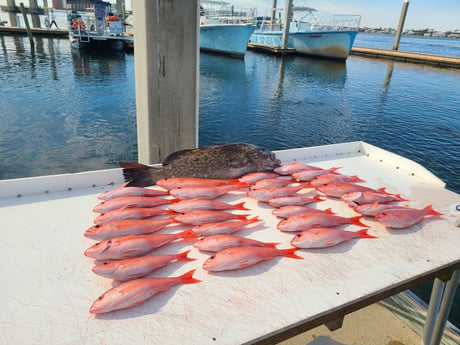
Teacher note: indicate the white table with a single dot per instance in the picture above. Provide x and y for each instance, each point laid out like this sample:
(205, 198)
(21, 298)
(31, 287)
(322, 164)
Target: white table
(47, 285)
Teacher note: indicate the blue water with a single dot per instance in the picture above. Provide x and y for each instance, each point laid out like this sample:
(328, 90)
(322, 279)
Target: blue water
(64, 111)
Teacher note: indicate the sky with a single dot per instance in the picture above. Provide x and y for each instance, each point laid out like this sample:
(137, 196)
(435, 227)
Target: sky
(442, 15)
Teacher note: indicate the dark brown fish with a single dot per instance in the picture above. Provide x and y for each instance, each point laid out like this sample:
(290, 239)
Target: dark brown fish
(222, 161)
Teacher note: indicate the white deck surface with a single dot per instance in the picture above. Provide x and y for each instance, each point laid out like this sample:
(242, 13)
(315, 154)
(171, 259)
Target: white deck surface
(47, 285)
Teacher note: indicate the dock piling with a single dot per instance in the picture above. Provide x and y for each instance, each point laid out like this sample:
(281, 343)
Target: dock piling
(26, 21)
(402, 19)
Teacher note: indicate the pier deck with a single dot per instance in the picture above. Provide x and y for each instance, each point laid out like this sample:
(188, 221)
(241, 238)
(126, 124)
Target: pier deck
(432, 60)
(35, 31)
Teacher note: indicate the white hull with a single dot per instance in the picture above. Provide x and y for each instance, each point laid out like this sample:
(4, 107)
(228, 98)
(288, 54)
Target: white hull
(326, 44)
(230, 39)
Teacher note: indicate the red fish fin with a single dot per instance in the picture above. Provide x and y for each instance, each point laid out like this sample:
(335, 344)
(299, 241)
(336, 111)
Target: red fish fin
(172, 201)
(290, 253)
(357, 221)
(431, 211)
(272, 244)
(317, 198)
(254, 220)
(356, 179)
(400, 197)
(240, 206)
(329, 211)
(382, 190)
(188, 234)
(363, 234)
(243, 216)
(234, 181)
(306, 185)
(183, 256)
(241, 185)
(333, 170)
(187, 278)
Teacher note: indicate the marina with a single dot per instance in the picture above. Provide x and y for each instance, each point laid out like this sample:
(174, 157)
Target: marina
(256, 90)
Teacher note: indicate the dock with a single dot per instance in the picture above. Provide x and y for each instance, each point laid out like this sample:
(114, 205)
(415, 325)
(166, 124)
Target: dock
(35, 31)
(426, 59)
(432, 60)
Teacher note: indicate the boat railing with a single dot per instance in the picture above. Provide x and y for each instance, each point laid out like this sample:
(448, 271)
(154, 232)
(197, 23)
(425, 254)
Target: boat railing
(329, 23)
(217, 12)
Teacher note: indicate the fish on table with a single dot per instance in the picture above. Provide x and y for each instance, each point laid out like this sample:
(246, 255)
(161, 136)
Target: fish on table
(134, 245)
(131, 213)
(218, 242)
(123, 190)
(337, 189)
(308, 175)
(326, 237)
(195, 204)
(301, 221)
(405, 217)
(134, 292)
(240, 257)
(207, 216)
(125, 227)
(329, 178)
(293, 167)
(375, 208)
(207, 192)
(135, 268)
(221, 161)
(272, 182)
(252, 178)
(369, 197)
(225, 227)
(180, 182)
(266, 194)
(294, 200)
(287, 211)
(131, 201)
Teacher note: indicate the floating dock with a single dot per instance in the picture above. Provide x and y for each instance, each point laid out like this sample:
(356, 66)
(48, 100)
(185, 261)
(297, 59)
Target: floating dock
(433, 60)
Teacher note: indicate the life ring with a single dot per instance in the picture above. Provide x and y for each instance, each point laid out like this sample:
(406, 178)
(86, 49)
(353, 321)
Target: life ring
(78, 25)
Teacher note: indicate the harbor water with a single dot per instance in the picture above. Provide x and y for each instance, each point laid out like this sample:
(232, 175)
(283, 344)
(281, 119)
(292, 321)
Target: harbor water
(65, 111)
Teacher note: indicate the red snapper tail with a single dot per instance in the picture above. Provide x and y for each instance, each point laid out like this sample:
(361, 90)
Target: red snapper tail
(187, 278)
(357, 221)
(183, 256)
(430, 211)
(363, 234)
(290, 253)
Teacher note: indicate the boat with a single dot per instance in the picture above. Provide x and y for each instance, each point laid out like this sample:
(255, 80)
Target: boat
(328, 37)
(97, 27)
(224, 31)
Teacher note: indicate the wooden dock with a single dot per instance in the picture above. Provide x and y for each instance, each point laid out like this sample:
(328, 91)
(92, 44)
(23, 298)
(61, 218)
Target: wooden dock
(35, 31)
(270, 49)
(433, 60)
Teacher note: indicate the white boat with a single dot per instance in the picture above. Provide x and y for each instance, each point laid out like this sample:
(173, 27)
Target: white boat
(331, 37)
(98, 28)
(224, 31)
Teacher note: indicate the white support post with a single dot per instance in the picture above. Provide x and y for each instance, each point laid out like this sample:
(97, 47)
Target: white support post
(166, 45)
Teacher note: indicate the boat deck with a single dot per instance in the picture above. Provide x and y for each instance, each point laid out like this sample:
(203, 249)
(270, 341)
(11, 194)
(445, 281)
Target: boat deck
(49, 286)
